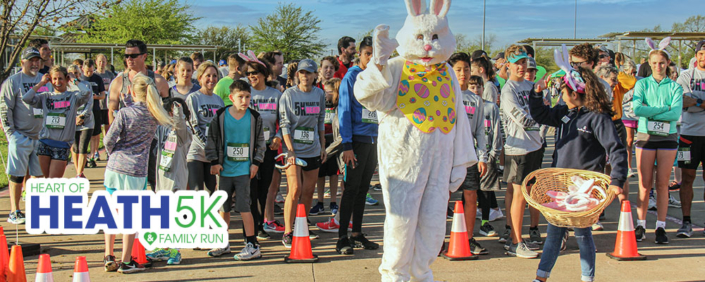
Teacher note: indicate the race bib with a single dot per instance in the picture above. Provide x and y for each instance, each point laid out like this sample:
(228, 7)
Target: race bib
(534, 127)
(303, 135)
(329, 116)
(658, 128)
(56, 121)
(368, 116)
(165, 162)
(266, 135)
(38, 113)
(238, 152)
(684, 154)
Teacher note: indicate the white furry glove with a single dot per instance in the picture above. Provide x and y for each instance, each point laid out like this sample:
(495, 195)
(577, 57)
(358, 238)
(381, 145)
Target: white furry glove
(383, 46)
(457, 176)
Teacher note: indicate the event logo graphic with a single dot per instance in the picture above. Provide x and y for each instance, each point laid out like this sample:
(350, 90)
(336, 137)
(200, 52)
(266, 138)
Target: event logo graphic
(184, 219)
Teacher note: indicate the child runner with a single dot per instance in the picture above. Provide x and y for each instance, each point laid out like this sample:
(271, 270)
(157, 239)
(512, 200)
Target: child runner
(236, 149)
(489, 182)
(483, 68)
(172, 174)
(586, 136)
(658, 102)
(128, 142)
(184, 84)
(60, 116)
(302, 114)
(202, 104)
(85, 120)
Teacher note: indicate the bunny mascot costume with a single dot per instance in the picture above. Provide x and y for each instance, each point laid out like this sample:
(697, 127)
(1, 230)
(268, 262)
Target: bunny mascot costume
(424, 145)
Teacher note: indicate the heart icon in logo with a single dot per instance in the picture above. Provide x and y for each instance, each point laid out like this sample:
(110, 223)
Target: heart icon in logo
(150, 237)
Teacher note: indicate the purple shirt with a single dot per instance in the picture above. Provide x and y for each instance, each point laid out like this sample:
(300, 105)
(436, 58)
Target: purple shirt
(128, 140)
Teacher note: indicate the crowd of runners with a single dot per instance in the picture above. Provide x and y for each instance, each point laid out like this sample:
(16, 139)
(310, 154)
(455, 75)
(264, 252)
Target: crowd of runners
(239, 125)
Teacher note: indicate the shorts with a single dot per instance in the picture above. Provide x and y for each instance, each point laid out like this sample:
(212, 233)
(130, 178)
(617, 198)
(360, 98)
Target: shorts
(619, 125)
(238, 186)
(631, 123)
(518, 167)
(98, 121)
(103, 117)
(657, 145)
(330, 167)
(490, 182)
(59, 154)
(22, 156)
(117, 181)
(313, 163)
(83, 139)
(472, 179)
(691, 151)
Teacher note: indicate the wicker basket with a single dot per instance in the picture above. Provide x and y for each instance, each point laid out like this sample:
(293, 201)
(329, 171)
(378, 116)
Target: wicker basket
(558, 179)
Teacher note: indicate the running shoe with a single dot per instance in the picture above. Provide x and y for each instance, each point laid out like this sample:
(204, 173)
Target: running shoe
(279, 199)
(219, 251)
(174, 257)
(96, 156)
(263, 235)
(535, 236)
(132, 267)
(315, 210)
(476, 248)
(377, 187)
(521, 251)
(343, 246)
(640, 233)
(631, 173)
(370, 201)
(361, 242)
(661, 237)
(92, 163)
(81, 175)
(597, 226)
(249, 252)
(159, 254)
(685, 231)
(333, 208)
(274, 227)
(672, 202)
(487, 230)
(16, 217)
(110, 264)
(652, 203)
(312, 235)
(449, 213)
(674, 186)
(531, 245)
(286, 240)
(506, 235)
(496, 214)
(278, 210)
(328, 226)
(326, 194)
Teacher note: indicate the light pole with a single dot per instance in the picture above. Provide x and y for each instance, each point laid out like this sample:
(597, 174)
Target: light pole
(575, 24)
(484, 3)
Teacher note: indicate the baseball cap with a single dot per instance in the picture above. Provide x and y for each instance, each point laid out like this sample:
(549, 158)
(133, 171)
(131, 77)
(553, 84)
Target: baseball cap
(221, 63)
(499, 56)
(700, 46)
(30, 52)
(478, 53)
(602, 48)
(515, 57)
(307, 65)
(172, 62)
(530, 63)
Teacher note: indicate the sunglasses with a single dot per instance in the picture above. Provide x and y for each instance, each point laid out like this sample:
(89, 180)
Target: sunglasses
(575, 65)
(603, 56)
(251, 73)
(133, 56)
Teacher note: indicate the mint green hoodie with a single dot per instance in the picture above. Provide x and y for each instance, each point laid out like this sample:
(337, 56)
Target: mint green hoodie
(655, 101)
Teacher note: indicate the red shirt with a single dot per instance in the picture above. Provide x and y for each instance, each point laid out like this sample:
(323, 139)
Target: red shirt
(342, 70)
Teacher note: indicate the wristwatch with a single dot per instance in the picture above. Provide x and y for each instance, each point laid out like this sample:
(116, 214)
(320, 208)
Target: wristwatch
(698, 102)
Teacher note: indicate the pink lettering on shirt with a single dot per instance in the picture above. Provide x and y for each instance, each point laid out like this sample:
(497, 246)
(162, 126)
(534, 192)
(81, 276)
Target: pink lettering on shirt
(171, 146)
(214, 110)
(470, 110)
(313, 110)
(62, 104)
(267, 106)
(488, 123)
(43, 89)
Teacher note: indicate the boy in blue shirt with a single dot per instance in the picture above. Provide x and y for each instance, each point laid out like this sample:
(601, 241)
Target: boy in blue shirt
(235, 149)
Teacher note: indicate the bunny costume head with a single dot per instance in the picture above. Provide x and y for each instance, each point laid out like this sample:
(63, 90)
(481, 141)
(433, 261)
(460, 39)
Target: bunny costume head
(425, 38)
(573, 78)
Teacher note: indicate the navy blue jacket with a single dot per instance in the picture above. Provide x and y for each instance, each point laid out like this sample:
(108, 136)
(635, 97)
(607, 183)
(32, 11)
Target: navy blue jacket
(584, 138)
(350, 114)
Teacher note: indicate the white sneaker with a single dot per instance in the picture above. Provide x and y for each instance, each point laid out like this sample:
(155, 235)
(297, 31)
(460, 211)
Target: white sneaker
(597, 226)
(652, 203)
(248, 252)
(631, 173)
(279, 199)
(219, 251)
(496, 214)
(672, 202)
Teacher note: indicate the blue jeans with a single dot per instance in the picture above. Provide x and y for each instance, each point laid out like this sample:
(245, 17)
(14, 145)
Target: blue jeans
(552, 248)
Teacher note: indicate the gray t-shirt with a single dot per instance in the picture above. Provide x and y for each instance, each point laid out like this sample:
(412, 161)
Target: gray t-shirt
(608, 88)
(86, 109)
(203, 108)
(60, 109)
(693, 119)
(474, 109)
(172, 148)
(175, 93)
(522, 132)
(107, 77)
(302, 117)
(490, 93)
(266, 102)
(18, 116)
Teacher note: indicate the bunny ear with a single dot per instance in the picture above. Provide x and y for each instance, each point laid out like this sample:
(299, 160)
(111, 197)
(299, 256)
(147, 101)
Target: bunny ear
(243, 56)
(664, 43)
(415, 7)
(651, 43)
(558, 57)
(440, 7)
(566, 56)
(252, 55)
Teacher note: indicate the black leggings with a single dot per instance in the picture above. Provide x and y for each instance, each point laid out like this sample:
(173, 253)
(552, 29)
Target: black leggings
(83, 139)
(199, 173)
(259, 186)
(487, 200)
(357, 183)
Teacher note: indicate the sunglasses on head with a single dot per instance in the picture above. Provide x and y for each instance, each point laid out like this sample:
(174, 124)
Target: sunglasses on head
(575, 65)
(133, 56)
(251, 73)
(603, 56)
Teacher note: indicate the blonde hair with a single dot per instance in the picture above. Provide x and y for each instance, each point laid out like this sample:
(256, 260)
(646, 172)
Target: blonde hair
(145, 91)
(202, 69)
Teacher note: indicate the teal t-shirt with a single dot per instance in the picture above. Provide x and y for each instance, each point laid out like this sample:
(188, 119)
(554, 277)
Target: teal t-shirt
(237, 145)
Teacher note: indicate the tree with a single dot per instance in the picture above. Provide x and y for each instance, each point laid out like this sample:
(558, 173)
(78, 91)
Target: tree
(290, 30)
(228, 39)
(152, 21)
(465, 44)
(19, 19)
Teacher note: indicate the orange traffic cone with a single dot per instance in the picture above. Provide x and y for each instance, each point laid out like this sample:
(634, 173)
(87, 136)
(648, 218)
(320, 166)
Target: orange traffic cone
(625, 246)
(16, 271)
(44, 273)
(4, 256)
(80, 270)
(301, 245)
(459, 247)
(138, 254)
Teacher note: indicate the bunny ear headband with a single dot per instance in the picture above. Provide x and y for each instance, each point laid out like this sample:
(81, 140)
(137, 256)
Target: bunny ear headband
(250, 57)
(661, 46)
(573, 78)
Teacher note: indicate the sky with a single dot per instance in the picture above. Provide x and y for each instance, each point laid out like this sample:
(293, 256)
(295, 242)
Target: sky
(508, 20)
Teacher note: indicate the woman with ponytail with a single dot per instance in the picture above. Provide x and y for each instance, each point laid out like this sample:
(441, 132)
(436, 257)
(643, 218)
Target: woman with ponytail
(128, 142)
